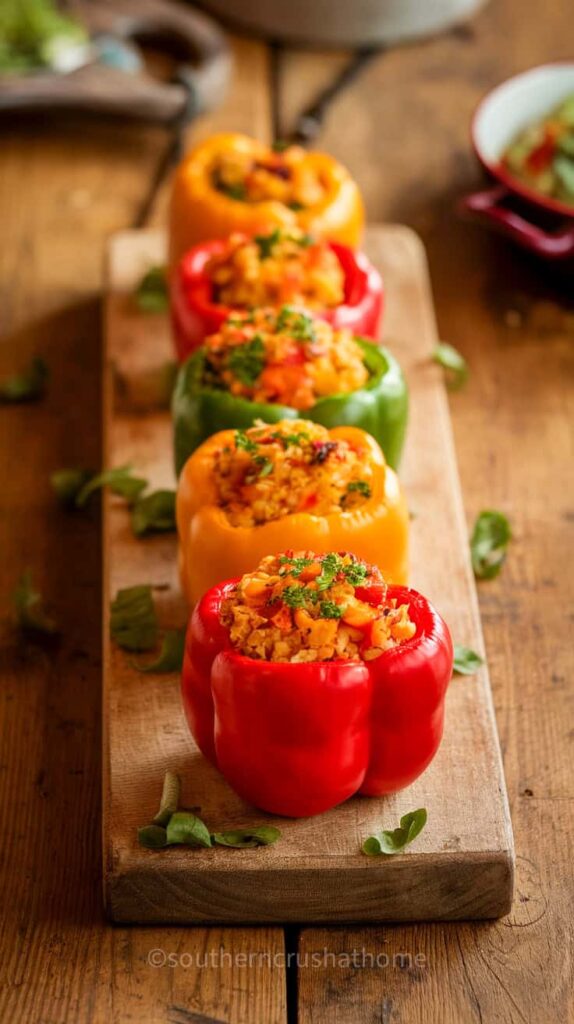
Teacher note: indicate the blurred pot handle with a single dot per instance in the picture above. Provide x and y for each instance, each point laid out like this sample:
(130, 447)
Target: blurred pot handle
(486, 207)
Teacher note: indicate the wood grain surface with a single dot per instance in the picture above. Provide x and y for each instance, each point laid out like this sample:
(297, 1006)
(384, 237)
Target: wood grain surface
(403, 130)
(463, 863)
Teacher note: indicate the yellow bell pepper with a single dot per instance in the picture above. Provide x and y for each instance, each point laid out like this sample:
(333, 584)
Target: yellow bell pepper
(201, 210)
(211, 549)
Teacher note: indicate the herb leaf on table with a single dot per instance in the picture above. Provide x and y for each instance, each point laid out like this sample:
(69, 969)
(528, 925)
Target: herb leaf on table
(388, 842)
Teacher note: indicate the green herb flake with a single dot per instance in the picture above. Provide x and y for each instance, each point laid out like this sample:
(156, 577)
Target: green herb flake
(244, 443)
(393, 841)
(331, 566)
(488, 543)
(27, 386)
(247, 361)
(330, 610)
(237, 192)
(151, 294)
(466, 661)
(170, 657)
(169, 799)
(265, 466)
(293, 566)
(453, 362)
(296, 324)
(186, 828)
(266, 243)
(356, 573)
(30, 613)
(133, 621)
(247, 838)
(296, 206)
(294, 596)
(359, 487)
(154, 513)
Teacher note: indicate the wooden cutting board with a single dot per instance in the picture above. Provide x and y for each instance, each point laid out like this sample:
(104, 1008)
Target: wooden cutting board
(462, 864)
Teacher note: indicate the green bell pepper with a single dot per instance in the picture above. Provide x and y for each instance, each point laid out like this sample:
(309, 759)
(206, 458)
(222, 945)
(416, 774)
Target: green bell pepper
(380, 407)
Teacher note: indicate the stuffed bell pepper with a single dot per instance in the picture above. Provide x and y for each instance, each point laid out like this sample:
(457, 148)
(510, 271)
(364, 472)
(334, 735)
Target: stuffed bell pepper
(280, 267)
(244, 494)
(278, 364)
(233, 183)
(310, 679)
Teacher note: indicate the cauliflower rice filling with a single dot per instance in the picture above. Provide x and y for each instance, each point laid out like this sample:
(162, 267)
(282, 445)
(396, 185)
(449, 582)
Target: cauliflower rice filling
(302, 607)
(277, 268)
(285, 177)
(283, 356)
(292, 466)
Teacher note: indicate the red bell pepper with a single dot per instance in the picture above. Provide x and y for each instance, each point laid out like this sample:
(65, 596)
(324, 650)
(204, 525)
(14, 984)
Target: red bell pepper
(298, 738)
(194, 314)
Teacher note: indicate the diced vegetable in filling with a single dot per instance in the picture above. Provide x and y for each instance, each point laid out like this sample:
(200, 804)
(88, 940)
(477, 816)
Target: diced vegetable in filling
(282, 266)
(291, 466)
(301, 607)
(284, 357)
(286, 177)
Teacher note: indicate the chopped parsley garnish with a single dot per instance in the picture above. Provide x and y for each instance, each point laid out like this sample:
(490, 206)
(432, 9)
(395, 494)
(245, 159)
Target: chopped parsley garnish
(247, 361)
(244, 443)
(295, 596)
(288, 439)
(295, 205)
(356, 573)
(356, 487)
(264, 464)
(266, 243)
(330, 610)
(331, 566)
(298, 325)
(293, 566)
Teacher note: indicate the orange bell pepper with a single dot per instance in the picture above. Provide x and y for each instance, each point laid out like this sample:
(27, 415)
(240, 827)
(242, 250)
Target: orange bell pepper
(211, 549)
(201, 211)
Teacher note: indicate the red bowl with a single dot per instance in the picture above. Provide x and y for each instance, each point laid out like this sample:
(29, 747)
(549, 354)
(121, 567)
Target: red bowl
(498, 120)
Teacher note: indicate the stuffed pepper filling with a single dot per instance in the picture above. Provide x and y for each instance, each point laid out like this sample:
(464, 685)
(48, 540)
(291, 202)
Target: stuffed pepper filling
(285, 177)
(292, 466)
(283, 356)
(283, 266)
(303, 607)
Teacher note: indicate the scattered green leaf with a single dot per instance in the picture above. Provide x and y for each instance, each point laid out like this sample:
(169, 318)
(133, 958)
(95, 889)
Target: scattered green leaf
(170, 657)
(184, 827)
(453, 362)
(394, 841)
(490, 538)
(133, 622)
(247, 838)
(27, 386)
(169, 799)
(154, 837)
(466, 661)
(30, 612)
(154, 513)
(67, 483)
(266, 243)
(120, 480)
(151, 294)
(247, 361)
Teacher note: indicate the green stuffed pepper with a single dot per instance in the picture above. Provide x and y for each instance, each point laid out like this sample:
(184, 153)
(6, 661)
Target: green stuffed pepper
(275, 365)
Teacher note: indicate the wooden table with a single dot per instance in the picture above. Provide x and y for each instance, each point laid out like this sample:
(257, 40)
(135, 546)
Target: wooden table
(403, 131)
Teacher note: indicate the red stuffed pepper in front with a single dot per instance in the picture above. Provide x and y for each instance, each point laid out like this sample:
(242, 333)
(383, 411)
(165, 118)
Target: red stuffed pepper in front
(310, 679)
(283, 267)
